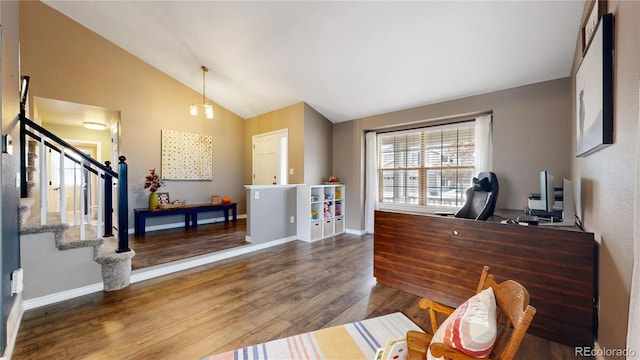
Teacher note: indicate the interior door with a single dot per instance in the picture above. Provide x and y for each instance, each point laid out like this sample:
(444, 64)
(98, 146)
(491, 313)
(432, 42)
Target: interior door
(270, 158)
(265, 159)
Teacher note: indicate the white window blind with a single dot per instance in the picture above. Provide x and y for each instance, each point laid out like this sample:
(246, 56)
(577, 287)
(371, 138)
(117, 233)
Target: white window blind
(430, 166)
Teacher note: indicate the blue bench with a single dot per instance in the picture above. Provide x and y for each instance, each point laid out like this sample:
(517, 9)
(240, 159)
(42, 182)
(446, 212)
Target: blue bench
(190, 213)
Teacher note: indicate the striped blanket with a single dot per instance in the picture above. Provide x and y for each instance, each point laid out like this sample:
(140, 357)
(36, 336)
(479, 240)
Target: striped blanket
(358, 340)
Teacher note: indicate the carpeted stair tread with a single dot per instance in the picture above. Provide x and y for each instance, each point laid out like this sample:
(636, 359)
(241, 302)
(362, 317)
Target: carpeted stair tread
(25, 209)
(106, 252)
(27, 229)
(66, 237)
(33, 220)
(116, 267)
(72, 240)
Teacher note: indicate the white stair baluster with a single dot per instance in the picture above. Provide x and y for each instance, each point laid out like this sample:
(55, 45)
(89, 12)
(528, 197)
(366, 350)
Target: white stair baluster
(44, 187)
(82, 197)
(100, 225)
(89, 195)
(75, 194)
(61, 189)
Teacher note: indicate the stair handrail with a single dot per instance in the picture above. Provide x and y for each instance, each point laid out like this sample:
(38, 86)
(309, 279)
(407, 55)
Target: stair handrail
(108, 176)
(59, 141)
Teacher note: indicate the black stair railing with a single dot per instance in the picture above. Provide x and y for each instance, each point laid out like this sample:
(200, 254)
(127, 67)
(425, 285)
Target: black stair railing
(55, 143)
(108, 194)
(123, 207)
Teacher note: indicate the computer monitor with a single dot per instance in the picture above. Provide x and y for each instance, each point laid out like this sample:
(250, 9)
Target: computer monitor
(568, 205)
(547, 191)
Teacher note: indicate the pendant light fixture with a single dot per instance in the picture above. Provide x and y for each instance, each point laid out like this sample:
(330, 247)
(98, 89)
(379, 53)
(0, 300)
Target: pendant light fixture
(208, 108)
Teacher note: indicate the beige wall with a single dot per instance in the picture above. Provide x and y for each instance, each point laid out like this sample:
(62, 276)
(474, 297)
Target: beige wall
(291, 118)
(10, 69)
(70, 133)
(530, 131)
(318, 146)
(310, 141)
(68, 62)
(607, 182)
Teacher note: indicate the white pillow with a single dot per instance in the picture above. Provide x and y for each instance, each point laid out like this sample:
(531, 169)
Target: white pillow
(471, 328)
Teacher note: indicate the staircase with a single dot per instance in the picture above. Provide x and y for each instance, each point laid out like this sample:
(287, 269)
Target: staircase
(91, 222)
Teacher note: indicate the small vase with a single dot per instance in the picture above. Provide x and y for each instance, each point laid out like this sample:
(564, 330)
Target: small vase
(153, 200)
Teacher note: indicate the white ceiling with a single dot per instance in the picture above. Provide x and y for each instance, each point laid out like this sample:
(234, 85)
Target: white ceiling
(347, 59)
(59, 112)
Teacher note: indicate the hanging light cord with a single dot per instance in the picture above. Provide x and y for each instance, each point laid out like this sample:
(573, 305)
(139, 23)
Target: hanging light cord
(204, 71)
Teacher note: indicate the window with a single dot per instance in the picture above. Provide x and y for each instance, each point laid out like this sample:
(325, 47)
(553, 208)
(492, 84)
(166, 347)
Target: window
(431, 166)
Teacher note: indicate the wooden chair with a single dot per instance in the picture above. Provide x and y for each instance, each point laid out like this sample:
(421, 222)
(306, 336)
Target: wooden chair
(514, 316)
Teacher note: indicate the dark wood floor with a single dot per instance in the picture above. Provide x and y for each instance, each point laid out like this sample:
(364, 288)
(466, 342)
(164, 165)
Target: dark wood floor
(272, 293)
(159, 247)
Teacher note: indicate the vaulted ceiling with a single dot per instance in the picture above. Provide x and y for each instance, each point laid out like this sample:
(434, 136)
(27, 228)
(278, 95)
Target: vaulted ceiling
(347, 59)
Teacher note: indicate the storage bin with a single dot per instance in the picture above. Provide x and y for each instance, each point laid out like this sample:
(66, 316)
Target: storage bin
(316, 230)
(328, 227)
(339, 225)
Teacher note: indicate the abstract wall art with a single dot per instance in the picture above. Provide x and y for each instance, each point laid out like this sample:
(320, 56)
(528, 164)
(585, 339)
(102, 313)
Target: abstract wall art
(186, 156)
(594, 91)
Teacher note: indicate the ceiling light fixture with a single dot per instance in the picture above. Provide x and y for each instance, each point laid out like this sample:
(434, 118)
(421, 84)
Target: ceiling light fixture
(208, 108)
(94, 125)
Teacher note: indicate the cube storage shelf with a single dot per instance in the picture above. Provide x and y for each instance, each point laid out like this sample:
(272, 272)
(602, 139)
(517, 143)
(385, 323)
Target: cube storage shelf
(321, 210)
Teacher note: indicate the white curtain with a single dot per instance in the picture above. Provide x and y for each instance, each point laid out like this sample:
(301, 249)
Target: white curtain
(371, 180)
(484, 144)
(633, 330)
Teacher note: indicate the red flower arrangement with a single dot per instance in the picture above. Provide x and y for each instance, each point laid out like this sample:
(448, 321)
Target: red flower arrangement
(152, 181)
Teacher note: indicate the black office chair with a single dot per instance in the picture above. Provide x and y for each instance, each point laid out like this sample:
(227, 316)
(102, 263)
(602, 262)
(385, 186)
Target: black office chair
(481, 198)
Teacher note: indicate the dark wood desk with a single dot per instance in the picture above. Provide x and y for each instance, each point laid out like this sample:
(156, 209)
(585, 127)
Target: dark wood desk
(190, 213)
(441, 258)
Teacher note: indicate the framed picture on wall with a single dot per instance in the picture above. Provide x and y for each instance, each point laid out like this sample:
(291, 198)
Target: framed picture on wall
(597, 8)
(594, 91)
(186, 156)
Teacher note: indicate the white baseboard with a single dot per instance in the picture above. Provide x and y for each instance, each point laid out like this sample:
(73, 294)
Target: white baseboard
(13, 325)
(181, 224)
(346, 231)
(179, 265)
(62, 296)
(355, 232)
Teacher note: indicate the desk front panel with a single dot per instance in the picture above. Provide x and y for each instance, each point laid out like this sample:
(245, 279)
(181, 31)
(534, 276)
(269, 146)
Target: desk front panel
(441, 258)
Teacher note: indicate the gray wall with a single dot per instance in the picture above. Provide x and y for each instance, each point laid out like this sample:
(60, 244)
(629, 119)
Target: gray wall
(318, 146)
(268, 216)
(48, 270)
(606, 180)
(531, 132)
(9, 237)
